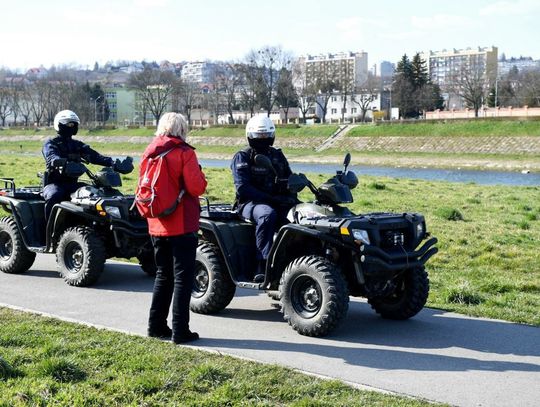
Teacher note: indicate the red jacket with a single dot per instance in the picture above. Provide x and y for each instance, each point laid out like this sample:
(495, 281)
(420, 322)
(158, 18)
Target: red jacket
(185, 173)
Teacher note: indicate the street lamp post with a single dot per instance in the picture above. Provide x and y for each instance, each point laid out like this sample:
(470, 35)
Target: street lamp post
(496, 90)
(95, 109)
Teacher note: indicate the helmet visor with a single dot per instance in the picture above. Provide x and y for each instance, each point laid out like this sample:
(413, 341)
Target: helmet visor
(70, 124)
(261, 135)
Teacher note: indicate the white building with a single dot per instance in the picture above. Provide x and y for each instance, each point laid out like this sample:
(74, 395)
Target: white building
(199, 71)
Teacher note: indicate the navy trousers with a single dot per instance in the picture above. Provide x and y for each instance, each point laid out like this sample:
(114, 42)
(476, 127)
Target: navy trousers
(175, 261)
(267, 219)
(56, 193)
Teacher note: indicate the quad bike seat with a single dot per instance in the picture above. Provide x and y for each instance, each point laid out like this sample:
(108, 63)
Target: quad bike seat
(219, 212)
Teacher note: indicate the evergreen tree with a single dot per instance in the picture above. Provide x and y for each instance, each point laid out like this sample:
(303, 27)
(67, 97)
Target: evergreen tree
(420, 76)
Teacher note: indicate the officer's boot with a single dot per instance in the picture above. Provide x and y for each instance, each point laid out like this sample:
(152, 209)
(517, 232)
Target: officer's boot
(261, 269)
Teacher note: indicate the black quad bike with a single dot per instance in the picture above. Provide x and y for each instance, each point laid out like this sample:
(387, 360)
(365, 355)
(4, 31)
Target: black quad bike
(324, 255)
(96, 224)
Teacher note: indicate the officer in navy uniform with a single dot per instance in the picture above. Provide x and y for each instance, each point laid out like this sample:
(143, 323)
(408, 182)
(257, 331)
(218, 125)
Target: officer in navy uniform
(261, 195)
(63, 157)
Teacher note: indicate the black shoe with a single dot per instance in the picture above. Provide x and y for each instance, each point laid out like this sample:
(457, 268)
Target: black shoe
(258, 279)
(189, 337)
(163, 333)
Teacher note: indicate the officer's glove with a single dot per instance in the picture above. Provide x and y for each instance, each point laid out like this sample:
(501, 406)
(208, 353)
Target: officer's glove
(73, 169)
(123, 167)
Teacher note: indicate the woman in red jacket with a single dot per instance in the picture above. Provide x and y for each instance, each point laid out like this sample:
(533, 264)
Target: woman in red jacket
(175, 236)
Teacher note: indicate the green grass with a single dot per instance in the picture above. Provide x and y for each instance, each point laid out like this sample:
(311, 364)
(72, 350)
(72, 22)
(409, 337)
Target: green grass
(488, 235)
(470, 128)
(323, 130)
(46, 362)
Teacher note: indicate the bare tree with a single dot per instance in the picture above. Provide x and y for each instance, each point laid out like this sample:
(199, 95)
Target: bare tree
(305, 91)
(6, 102)
(365, 95)
(186, 97)
(155, 88)
(472, 84)
(268, 62)
(247, 86)
(326, 89)
(25, 104)
(38, 97)
(227, 82)
(285, 93)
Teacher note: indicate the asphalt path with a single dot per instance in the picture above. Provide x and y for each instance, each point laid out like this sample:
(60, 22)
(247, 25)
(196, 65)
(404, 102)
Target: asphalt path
(436, 355)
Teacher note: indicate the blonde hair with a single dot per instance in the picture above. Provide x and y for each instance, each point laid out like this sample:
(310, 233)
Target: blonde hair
(173, 125)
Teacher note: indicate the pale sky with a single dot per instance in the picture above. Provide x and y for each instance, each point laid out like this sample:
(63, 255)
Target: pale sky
(59, 32)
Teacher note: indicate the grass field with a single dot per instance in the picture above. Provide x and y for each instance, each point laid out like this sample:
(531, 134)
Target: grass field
(489, 262)
(488, 265)
(470, 128)
(46, 362)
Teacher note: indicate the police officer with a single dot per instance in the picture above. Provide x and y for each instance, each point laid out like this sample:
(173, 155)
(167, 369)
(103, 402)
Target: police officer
(261, 194)
(63, 157)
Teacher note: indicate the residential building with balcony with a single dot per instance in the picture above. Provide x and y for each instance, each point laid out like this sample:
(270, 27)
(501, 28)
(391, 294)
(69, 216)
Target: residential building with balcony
(344, 67)
(199, 71)
(447, 66)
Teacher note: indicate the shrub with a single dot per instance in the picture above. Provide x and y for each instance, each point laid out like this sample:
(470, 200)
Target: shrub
(377, 185)
(447, 213)
(464, 294)
(7, 371)
(61, 370)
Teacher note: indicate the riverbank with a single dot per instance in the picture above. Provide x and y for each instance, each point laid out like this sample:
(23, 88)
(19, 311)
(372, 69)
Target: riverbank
(513, 153)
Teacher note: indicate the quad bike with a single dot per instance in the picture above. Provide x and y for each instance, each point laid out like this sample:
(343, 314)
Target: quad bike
(324, 255)
(96, 224)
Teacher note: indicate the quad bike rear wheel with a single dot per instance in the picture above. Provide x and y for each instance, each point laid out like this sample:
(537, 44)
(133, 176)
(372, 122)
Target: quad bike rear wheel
(15, 258)
(213, 288)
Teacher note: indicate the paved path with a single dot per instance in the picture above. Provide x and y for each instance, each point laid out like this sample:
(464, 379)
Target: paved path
(437, 355)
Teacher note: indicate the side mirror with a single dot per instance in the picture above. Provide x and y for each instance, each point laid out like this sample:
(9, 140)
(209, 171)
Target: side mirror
(346, 161)
(263, 161)
(296, 183)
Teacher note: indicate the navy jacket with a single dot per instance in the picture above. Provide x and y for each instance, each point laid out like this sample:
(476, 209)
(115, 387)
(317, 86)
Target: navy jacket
(259, 184)
(72, 150)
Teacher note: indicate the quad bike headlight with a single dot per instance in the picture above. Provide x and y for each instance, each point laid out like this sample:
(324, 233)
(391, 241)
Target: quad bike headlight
(361, 235)
(113, 211)
(420, 229)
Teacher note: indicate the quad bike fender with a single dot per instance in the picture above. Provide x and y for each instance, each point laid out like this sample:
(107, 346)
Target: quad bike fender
(24, 215)
(235, 239)
(64, 215)
(289, 243)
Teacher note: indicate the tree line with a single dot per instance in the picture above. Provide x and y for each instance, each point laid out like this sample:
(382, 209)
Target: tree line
(266, 79)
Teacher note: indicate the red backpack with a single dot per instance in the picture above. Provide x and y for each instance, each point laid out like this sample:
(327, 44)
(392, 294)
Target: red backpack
(156, 196)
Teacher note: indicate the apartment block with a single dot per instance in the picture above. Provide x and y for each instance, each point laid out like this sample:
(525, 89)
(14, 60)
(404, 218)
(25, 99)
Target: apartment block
(444, 66)
(349, 67)
(202, 72)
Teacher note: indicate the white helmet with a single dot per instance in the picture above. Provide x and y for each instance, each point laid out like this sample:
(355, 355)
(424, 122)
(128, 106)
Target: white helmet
(260, 127)
(65, 117)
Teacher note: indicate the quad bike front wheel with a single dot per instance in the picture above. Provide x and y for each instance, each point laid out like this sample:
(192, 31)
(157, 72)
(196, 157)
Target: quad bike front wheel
(408, 298)
(14, 256)
(313, 296)
(80, 256)
(213, 288)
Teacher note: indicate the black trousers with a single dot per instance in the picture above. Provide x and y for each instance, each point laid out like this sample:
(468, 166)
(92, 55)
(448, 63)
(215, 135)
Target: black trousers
(56, 193)
(175, 261)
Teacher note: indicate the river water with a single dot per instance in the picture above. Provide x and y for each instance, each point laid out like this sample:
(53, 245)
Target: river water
(431, 174)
